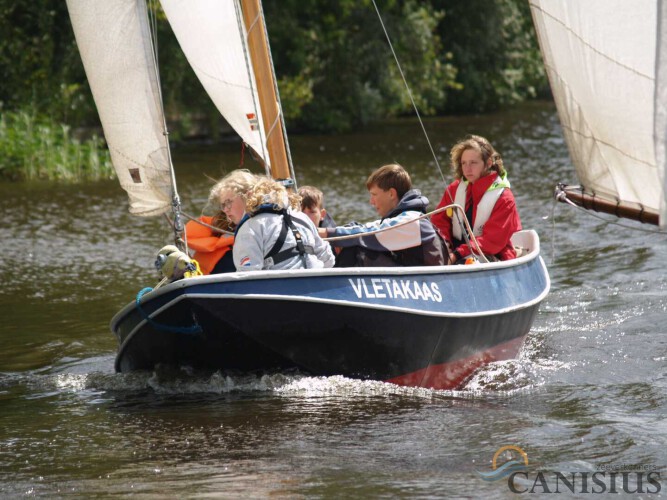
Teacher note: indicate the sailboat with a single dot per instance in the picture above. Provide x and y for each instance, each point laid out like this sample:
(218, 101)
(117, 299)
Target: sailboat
(417, 326)
(607, 66)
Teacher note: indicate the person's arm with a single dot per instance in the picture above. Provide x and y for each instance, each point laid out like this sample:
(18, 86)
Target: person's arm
(498, 230)
(323, 252)
(400, 238)
(247, 250)
(441, 220)
(321, 248)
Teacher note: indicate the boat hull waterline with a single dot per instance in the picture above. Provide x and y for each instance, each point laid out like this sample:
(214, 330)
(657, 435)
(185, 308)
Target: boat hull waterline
(420, 326)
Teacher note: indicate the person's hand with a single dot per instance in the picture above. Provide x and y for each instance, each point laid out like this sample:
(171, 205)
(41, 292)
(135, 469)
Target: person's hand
(322, 231)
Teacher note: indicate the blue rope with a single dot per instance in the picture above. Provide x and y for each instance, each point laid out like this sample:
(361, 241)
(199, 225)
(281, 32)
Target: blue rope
(160, 326)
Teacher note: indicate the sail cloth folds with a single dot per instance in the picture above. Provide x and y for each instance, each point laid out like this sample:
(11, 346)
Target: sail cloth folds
(213, 38)
(115, 45)
(600, 57)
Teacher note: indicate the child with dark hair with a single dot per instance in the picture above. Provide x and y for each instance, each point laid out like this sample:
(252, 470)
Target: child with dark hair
(312, 204)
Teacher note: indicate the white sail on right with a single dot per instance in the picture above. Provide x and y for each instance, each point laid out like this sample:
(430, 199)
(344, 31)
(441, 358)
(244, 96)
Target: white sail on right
(212, 36)
(600, 57)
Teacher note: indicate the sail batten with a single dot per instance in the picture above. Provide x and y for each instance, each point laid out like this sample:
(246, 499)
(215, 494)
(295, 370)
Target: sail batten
(116, 49)
(600, 57)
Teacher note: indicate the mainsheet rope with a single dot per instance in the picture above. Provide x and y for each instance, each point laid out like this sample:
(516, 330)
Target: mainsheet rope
(405, 81)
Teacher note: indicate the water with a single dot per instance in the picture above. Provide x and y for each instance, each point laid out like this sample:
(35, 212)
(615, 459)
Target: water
(588, 391)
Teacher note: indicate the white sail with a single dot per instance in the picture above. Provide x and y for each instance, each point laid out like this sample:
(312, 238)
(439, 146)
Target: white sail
(661, 107)
(600, 57)
(115, 46)
(213, 38)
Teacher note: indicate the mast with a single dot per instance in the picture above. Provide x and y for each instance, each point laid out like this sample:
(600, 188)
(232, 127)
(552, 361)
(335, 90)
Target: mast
(266, 89)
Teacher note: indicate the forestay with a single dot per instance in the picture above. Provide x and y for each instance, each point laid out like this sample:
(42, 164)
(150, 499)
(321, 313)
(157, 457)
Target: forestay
(212, 36)
(600, 57)
(115, 45)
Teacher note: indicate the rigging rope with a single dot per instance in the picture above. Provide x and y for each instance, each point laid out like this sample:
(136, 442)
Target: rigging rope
(246, 57)
(280, 105)
(202, 223)
(405, 81)
(177, 224)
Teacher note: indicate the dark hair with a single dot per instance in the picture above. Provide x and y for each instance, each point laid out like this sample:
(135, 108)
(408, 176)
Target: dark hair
(311, 197)
(390, 176)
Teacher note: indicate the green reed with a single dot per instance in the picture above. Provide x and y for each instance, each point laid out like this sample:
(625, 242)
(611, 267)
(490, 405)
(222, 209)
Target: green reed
(33, 147)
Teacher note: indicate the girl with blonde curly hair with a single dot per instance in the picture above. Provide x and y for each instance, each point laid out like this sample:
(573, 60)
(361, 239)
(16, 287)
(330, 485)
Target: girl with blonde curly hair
(270, 231)
(211, 236)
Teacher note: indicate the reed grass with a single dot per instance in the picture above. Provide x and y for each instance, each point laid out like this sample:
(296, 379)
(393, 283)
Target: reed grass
(33, 147)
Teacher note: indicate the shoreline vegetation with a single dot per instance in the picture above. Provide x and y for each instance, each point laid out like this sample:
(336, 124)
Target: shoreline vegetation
(37, 148)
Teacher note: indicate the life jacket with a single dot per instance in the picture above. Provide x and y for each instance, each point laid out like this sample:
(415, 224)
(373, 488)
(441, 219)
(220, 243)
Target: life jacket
(209, 247)
(484, 207)
(276, 254)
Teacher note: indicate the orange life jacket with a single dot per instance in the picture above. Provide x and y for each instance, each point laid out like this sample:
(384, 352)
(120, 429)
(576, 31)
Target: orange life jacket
(209, 247)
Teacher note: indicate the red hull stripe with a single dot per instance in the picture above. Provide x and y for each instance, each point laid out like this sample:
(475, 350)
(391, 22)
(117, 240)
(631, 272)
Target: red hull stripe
(452, 375)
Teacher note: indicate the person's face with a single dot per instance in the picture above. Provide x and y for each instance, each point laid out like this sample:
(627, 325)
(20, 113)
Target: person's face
(232, 205)
(315, 214)
(472, 165)
(383, 201)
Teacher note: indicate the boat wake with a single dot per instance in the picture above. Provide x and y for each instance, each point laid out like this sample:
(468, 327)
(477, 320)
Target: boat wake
(530, 370)
(86, 379)
(185, 382)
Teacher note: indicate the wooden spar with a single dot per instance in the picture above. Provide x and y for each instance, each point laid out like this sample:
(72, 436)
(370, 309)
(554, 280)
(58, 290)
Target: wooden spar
(577, 196)
(266, 88)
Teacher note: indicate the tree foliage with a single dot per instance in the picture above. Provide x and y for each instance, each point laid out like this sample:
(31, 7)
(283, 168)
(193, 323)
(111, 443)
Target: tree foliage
(494, 46)
(335, 68)
(337, 55)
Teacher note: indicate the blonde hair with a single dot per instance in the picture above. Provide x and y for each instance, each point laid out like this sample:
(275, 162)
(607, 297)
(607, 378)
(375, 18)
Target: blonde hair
(483, 147)
(238, 182)
(267, 191)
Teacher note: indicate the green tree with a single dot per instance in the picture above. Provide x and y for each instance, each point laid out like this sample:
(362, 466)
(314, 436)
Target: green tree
(40, 62)
(494, 47)
(336, 69)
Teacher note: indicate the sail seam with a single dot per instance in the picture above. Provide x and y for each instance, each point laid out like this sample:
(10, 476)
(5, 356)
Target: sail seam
(586, 44)
(600, 141)
(213, 77)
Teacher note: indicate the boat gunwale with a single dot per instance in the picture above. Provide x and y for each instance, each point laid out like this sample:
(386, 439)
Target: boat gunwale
(300, 273)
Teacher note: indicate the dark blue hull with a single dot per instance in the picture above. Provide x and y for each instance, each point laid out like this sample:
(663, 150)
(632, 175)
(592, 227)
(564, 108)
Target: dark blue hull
(428, 327)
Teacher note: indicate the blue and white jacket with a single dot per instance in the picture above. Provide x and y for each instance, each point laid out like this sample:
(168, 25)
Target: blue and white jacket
(417, 244)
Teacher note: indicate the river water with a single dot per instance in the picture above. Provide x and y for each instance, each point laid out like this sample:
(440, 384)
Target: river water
(588, 392)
